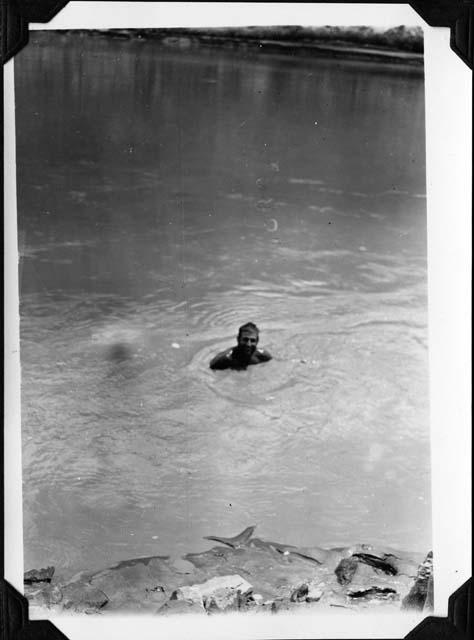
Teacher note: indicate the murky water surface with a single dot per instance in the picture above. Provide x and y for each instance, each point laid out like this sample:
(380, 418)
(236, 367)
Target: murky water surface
(167, 196)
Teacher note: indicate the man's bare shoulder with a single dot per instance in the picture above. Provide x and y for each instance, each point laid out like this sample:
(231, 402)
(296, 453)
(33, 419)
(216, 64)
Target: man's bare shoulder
(222, 360)
(263, 355)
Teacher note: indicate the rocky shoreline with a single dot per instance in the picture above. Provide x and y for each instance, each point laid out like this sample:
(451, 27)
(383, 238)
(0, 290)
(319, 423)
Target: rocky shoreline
(245, 574)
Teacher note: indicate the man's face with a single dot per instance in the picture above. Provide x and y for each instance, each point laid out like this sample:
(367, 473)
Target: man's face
(247, 341)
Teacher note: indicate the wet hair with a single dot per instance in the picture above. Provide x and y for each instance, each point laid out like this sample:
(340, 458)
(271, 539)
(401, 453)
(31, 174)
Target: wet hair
(250, 326)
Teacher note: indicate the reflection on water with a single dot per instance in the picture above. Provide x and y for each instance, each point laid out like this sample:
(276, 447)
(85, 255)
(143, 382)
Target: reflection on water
(168, 196)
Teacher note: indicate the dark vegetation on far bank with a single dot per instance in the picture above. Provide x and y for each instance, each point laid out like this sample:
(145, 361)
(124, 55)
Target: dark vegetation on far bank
(401, 38)
(397, 44)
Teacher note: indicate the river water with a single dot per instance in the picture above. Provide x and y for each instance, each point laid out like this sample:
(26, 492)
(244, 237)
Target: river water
(168, 194)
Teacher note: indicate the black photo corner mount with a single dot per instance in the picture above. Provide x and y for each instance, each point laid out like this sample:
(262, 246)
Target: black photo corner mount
(458, 16)
(15, 18)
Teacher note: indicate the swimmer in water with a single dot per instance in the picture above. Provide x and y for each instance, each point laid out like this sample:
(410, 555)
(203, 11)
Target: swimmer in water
(246, 352)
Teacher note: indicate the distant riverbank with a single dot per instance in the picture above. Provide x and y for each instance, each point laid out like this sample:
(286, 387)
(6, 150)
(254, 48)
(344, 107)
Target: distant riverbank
(399, 44)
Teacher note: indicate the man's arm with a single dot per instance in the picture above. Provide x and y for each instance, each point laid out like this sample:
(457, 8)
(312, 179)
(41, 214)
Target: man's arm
(222, 360)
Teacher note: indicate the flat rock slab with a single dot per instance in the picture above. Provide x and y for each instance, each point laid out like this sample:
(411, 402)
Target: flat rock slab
(83, 597)
(137, 584)
(141, 582)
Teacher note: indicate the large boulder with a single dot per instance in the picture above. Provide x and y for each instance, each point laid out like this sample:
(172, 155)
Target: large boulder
(346, 570)
(217, 594)
(420, 595)
(38, 575)
(311, 592)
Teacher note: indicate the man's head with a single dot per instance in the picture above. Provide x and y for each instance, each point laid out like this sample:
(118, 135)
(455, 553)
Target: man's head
(247, 338)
